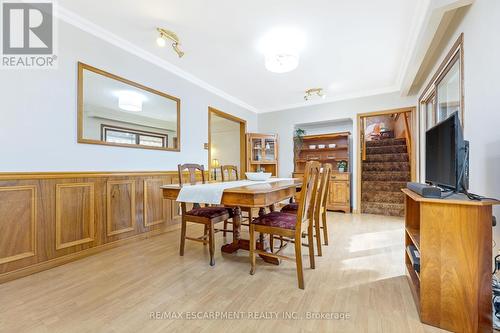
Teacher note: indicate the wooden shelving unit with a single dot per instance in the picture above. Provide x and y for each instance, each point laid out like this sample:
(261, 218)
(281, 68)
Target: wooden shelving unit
(340, 183)
(454, 238)
(262, 152)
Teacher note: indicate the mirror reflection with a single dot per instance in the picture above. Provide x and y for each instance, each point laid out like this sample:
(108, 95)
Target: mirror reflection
(115, 111)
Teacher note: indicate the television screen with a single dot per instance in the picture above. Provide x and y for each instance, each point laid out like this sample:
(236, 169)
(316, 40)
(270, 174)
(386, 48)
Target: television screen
(444, 153)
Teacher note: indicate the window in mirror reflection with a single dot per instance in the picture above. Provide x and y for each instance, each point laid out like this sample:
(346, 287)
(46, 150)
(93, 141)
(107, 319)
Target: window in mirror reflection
(116, 111)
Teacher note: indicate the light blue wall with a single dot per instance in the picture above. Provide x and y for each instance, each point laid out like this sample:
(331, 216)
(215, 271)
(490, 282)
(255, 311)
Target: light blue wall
(39, 108)
(283, 123)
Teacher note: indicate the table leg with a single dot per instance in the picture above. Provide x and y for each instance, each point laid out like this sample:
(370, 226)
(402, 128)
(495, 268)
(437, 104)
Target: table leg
(236, 244)
(239, 243)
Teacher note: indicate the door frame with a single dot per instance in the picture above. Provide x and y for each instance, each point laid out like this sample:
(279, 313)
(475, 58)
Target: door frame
(412, 110)
(243, 130)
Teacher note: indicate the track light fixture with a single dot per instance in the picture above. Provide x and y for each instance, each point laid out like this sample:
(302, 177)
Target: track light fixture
(310, 93)
(169, 35)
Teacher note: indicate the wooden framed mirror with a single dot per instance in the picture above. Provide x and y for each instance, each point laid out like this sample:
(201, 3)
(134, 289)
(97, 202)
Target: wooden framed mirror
(114, 111)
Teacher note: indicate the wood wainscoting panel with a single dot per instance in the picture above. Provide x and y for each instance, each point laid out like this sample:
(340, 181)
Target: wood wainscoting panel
(48, 219)
(120, 207)
(156, 209)
(176, 206)
(75, 214)
(17, 223)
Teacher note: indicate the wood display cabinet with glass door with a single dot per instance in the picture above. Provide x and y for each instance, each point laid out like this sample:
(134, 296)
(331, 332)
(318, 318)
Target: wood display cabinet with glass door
(262, 153)
(328, 148)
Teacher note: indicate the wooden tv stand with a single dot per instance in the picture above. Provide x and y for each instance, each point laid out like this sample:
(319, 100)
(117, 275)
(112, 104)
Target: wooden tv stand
(454, 238)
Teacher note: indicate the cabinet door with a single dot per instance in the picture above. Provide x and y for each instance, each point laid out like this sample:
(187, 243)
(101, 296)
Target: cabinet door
(270, 149)
(257, 147)
(339, 193)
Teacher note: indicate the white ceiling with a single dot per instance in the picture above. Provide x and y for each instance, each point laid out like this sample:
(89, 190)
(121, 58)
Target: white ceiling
(353, 48)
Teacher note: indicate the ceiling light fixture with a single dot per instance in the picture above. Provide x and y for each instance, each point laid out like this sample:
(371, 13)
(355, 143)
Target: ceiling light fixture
(169, 35)
(310, 93)
(281, 63)
(130, 101)
(281, 48)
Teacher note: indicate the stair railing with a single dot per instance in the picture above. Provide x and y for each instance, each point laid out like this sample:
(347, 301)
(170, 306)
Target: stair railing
(407, 135)
(363, 141)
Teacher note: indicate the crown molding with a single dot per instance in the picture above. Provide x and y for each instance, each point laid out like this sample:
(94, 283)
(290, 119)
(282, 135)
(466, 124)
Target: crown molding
(420, 19)
(429, 17)
(96, 30)
(337, 98)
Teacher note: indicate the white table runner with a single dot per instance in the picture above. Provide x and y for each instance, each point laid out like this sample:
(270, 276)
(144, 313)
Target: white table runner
(212, 193)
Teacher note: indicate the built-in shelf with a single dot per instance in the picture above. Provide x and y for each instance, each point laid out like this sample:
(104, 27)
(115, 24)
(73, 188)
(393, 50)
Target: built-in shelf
(324, 149)
(408, 254)
(414, 235)
(318, 159)
(262, 162)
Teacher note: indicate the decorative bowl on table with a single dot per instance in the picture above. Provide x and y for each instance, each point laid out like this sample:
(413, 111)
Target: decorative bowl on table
(258, 175)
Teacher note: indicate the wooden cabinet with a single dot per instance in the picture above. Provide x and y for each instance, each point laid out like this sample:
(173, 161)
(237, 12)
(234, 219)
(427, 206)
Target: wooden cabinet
(339, 195)
(328, 148)
(262, 152)
(451, 285)
(339, 191)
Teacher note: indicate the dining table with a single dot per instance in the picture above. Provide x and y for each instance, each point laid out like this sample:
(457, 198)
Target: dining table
(250, 195)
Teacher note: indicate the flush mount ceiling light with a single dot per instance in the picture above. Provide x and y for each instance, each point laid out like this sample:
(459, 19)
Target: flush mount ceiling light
(314, 92)
(281, 48)
(169, 35)
(281, 63)
(130, 101)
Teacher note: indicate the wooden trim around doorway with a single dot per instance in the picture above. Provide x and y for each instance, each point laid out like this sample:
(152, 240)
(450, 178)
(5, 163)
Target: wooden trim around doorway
(243, 130)
(414, 132)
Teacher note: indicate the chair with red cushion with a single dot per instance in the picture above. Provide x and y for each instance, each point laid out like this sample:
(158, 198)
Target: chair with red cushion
(291, 226)
(208, 216)
(290, 208)
(320, 209)
(228, 173)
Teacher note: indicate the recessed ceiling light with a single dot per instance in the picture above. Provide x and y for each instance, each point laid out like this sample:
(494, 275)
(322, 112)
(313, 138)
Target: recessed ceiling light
(281, 48)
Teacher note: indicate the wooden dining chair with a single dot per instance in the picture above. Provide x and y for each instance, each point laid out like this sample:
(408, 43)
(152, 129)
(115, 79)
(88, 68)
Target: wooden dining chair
(291, 226)
(227, 171)
(208, 216)
(320, 206)
(230, 172)
(324, 200)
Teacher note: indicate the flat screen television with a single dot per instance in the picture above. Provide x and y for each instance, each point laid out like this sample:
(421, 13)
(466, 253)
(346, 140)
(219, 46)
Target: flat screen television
(446, 157)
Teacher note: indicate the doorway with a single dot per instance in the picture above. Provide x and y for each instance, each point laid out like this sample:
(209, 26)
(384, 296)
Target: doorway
(386, 160)
(226, 142)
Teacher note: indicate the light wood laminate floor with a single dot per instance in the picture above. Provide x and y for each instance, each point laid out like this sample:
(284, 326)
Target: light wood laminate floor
(361, 273)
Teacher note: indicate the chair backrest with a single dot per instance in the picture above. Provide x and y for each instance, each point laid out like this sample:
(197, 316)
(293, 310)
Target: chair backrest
(322, 198)
(192, 168)
(308, 195)
(230, 169)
